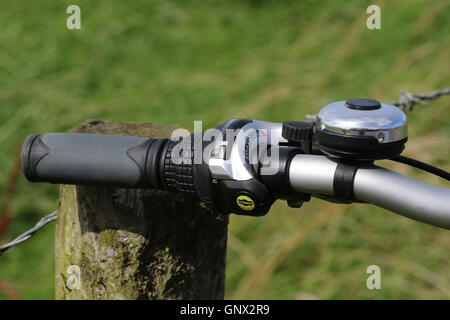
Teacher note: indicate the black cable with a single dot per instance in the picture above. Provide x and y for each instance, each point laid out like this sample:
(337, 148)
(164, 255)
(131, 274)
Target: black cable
(423, 166)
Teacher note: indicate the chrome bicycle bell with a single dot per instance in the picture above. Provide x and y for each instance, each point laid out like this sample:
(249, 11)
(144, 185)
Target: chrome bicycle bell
(361, 129)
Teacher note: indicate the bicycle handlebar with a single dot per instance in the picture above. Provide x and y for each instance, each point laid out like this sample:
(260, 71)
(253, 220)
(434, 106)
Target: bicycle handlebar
(230, 184)
(376, 185)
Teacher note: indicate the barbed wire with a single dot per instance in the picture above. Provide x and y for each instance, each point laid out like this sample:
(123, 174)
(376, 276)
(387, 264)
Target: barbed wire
(28, 234)
(407, 100)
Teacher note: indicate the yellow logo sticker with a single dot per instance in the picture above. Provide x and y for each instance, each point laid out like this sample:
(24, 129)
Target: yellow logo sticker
(245, 203)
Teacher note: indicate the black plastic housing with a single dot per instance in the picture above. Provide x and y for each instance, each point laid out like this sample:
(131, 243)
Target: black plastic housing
(356, 147)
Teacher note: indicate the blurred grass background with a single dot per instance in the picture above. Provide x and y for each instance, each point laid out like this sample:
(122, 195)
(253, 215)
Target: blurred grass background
(173, 62)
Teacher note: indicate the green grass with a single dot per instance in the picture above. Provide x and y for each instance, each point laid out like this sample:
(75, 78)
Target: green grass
(173, 62)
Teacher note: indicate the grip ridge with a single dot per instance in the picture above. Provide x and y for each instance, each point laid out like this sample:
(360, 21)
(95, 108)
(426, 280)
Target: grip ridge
(139, 155)
(33, 151)
(178, 177)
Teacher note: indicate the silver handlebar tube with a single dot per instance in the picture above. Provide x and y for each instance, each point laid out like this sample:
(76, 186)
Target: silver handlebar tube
(372, 184)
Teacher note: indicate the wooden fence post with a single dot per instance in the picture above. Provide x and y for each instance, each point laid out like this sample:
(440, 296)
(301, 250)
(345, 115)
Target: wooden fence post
(136, 244)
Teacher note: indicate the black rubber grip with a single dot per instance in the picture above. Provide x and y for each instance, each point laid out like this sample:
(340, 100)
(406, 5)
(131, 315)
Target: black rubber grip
(93, 159)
